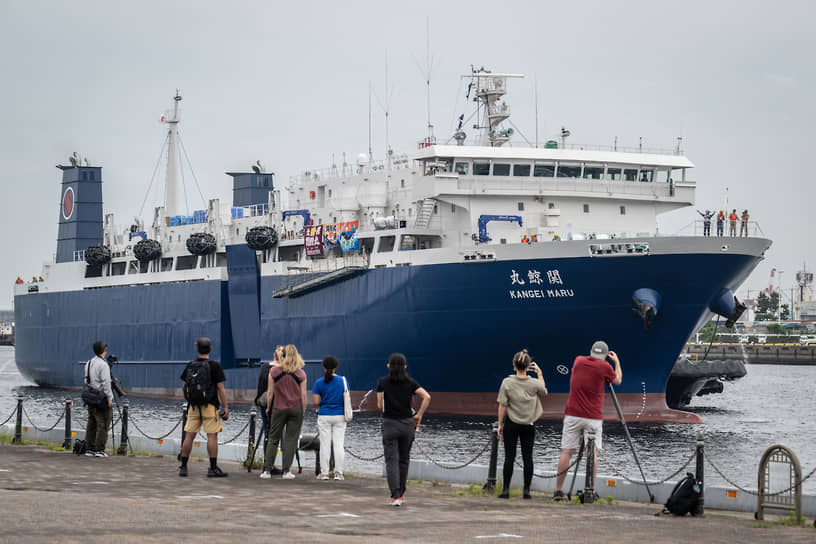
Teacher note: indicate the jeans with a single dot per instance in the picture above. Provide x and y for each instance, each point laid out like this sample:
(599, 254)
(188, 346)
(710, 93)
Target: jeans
(292, 419)
(99, 422)
(512, 433)
(332, 432)
(397, 437)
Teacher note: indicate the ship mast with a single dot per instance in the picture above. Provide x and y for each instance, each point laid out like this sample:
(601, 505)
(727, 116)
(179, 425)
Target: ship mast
(490, 88)
(172, 197)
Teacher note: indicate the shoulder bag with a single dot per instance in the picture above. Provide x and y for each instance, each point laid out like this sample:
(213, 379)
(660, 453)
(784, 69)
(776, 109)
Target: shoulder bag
(348, 413)
(92, 396)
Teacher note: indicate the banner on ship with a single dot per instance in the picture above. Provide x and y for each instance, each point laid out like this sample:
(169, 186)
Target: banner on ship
(313, 240)
(343, 234)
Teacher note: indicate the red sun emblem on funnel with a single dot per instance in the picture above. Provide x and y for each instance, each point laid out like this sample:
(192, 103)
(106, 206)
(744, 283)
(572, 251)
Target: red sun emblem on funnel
(68, 203)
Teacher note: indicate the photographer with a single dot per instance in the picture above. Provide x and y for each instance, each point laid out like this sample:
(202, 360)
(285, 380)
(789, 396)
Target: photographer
(584, 411)
(203, 389)
(98, 377)
(519, 408)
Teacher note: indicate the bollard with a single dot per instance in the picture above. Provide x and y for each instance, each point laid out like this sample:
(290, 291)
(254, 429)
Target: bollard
(183, 424)
(490, 485)
(588, 495)
(18, 427)
(700, 476)
(251, 442)
(66, 443)
(123, 441)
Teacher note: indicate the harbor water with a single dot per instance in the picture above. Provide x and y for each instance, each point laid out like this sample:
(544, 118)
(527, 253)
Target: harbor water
(773, 404)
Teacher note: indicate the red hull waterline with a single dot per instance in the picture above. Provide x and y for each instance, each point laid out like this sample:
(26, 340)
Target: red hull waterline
(648, 408)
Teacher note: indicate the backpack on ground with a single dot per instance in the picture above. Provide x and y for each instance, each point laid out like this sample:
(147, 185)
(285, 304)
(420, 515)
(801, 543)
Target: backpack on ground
(685, 497)
(198, 386)
(80, 448)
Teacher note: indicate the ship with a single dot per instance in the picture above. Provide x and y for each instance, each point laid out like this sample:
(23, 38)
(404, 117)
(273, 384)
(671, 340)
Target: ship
(6, 334)
(458, 255)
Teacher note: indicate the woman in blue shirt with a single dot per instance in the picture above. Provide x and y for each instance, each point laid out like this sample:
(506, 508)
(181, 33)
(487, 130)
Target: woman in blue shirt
(331, 423)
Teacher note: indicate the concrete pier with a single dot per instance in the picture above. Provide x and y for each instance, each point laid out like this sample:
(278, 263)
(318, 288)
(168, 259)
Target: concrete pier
(56, 496)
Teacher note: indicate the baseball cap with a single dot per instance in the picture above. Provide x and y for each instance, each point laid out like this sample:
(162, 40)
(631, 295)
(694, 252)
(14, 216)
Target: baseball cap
(599, 349)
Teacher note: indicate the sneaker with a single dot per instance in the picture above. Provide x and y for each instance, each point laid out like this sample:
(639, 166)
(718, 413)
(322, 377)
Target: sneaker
(505, 494)
(216, 473)
(338, 476)
(100, 454)
(396, 502)
(559, 496)
(265, 475)
(90, 453)
(288, 476)
(322, 476)
(183, 471)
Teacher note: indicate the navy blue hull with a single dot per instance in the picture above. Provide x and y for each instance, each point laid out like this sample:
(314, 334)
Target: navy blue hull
(458, 324)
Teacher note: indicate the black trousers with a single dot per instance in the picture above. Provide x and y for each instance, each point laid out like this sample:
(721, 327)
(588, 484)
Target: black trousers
(397, 437)
(513, 432)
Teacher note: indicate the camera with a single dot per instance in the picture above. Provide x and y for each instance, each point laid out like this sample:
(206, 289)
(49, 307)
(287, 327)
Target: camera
(112, 359)
(223, 414)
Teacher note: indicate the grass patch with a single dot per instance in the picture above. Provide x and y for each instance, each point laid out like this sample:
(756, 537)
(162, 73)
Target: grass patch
(786, 521)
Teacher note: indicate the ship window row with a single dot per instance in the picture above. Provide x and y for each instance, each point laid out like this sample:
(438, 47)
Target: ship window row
(568, 170)
(165, 264)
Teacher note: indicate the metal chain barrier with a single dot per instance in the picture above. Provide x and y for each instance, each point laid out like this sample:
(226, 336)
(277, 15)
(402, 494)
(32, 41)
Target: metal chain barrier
(641, 482)
(162, 437)
(361, 458)
(51, 428)
(236, 436)
(550, 476)
(10, 416)
(749, 491)
(453, 467)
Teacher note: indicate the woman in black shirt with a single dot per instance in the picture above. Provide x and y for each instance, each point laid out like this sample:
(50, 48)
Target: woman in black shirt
(394, 395)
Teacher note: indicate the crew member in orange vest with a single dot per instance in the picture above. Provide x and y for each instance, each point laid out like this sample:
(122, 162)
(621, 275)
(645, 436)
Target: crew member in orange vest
(732, 222)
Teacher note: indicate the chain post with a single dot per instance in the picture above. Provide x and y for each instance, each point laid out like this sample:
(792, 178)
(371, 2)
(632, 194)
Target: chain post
(18, 426)
(123, 441)
(490, 485)
(66, 443)
(588, 496)
(183, 424)
(251, 442)
(700, 475)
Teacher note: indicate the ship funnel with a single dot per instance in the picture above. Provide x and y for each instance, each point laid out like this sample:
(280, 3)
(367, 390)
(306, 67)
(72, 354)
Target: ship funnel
(646, 305)
(727, 305)
(80, 215)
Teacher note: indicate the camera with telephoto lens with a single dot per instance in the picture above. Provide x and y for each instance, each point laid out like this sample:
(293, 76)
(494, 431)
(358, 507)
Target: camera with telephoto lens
(112, 359)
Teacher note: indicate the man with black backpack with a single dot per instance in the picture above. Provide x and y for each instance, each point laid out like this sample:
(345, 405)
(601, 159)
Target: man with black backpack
(204, 389)
(98, 398)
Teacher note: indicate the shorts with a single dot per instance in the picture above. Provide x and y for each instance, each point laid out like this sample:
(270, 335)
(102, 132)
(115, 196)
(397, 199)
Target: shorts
(574, 429)
(206, 416)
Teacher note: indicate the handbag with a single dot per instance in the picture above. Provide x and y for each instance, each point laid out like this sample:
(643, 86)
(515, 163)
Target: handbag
(92, 396)
(348, 413)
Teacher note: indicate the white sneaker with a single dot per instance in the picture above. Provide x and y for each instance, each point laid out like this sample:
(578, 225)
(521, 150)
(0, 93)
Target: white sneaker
(100, 454)
(265, 475)
(338, 475)
(322, 476)
(90, 453)
(288, 476)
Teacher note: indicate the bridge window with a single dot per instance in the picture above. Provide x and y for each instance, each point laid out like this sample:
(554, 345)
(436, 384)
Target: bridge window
(662, 176)
(630, 174)
(544, 170)
(593, 172)
(613, 174)
(462, 168)
(646, 176)
(521, 170)
(565, 171)
(481, 168)
(387, 243)
(586, 208)
(501, 169)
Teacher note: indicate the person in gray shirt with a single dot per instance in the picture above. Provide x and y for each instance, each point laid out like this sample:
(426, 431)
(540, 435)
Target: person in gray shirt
(519, 408)
(99, 417)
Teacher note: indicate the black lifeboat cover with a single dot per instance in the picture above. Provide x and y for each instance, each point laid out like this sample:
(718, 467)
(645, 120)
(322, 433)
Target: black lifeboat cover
(97, 255)
(261, 238)
(147, 250)
(201, 243)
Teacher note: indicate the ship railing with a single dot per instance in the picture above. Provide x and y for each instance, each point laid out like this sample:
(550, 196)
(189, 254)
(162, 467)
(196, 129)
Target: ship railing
(697, 228)
(504, 185)
(317, 268)
(398, 162)
(622, 149)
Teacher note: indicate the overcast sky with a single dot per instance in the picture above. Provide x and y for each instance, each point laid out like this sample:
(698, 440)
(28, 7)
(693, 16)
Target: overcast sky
(287, 82)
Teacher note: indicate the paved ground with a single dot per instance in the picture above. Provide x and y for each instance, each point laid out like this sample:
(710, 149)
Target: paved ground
(48, 496)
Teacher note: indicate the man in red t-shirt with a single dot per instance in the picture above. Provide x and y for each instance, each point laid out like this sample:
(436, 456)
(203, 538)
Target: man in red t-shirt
(584, 411)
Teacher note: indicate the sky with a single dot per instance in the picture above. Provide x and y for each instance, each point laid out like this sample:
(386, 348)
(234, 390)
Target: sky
(288, 83)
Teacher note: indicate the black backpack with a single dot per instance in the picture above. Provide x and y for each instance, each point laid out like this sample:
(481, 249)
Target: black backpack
(80, 448)
(684, 497)
(198, 386)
